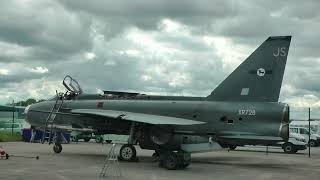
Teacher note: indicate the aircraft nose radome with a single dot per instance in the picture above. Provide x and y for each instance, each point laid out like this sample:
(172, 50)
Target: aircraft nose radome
(26, 110)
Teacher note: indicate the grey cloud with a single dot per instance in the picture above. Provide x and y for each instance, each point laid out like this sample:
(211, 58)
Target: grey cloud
(45, 27)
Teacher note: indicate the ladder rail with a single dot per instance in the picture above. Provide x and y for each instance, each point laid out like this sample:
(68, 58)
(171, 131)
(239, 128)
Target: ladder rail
(50, 120)
(110, 161)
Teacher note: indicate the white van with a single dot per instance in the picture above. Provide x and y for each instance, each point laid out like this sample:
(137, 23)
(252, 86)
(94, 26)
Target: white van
(314, 138)
(314, 125)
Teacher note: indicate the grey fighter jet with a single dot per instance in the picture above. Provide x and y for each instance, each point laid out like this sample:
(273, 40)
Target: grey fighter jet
(243, 109)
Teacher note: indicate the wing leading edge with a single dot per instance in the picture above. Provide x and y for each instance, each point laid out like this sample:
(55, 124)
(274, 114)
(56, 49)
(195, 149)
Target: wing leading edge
(137, 117)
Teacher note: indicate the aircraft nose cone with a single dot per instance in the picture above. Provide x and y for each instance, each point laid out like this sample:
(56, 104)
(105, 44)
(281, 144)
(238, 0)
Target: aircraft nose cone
(26, 110)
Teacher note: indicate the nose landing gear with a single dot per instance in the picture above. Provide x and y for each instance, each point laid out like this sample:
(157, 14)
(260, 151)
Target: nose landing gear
(57, 148)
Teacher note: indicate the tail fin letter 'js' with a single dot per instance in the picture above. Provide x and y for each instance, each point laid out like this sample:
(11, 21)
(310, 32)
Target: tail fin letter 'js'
(259, 77)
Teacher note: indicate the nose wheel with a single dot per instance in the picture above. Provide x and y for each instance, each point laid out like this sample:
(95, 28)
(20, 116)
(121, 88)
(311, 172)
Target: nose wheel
(57, 148)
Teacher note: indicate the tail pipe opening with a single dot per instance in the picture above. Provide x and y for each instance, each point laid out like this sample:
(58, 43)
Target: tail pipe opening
(284, 127)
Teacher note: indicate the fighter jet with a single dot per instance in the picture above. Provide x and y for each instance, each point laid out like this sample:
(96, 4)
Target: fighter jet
(243, 109)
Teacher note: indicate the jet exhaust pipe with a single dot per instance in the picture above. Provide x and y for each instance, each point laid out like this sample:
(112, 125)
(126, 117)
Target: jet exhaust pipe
(284, 127)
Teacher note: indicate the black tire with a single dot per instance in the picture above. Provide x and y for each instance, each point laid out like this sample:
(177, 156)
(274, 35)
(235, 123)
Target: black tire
(155, 155)
(184, 159)
(99, 139)
(170, 161)
(313, 143)
(128, 153)
(75, 139)
(232, 147)
(108, 141)
(289, 148)
(57, 148)
(184, 165)
(86, 139)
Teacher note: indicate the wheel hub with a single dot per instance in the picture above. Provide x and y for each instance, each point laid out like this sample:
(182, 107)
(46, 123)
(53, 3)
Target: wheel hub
(127, 153)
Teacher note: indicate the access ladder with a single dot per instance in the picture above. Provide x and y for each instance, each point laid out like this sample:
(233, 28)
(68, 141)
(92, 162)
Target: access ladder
(111, 165)
(48, 127)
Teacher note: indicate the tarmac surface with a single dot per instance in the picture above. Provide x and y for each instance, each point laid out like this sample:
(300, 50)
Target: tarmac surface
(83, 161)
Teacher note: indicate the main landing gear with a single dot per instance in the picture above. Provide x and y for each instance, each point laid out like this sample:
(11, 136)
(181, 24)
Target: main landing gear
(175, 160)
(167, 159)
(128, 153)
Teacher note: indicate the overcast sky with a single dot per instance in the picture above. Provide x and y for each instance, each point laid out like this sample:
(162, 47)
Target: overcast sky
(159, 47)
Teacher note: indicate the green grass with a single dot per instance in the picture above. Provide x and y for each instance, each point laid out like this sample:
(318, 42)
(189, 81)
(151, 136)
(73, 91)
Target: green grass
(7, 137)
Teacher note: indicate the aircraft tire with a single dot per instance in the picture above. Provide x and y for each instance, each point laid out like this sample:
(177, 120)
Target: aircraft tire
(108, 141)
(184, 159)
(232, 147)
(57, 148)
(288, 148)
(170, 161)
(128, 153)
(312, 143)
(99, 139)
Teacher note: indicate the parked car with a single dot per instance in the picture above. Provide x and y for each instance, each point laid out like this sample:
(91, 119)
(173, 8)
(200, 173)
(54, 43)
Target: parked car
(7, 127)
(75, 136)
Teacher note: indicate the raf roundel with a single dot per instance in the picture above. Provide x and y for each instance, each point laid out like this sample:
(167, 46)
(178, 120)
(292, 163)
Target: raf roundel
(261, 72)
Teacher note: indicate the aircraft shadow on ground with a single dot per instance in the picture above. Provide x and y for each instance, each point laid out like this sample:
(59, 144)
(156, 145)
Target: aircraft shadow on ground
(239, 162)
(264, 151)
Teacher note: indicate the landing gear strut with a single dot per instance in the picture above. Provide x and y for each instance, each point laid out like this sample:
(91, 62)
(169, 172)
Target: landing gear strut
(57, 147)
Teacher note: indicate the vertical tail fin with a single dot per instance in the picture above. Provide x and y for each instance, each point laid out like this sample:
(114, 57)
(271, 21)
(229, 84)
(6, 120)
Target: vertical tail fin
(259, 77)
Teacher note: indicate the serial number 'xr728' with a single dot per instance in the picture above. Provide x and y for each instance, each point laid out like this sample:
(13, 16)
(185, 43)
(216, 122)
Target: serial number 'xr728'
(247, 112)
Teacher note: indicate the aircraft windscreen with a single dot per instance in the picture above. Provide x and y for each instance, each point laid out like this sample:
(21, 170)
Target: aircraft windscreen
(52, 98)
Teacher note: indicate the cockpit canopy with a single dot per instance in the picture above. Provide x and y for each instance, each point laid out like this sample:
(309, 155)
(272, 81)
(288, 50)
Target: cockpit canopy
(72, 85)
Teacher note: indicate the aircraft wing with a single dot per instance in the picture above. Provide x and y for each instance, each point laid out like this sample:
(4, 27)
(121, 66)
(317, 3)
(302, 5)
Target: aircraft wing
(137, 117)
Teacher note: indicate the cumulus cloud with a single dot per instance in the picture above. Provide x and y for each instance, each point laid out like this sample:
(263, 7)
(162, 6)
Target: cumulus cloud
(39, 69)
(4, 71)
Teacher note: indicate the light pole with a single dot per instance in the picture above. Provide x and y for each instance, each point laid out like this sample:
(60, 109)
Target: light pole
(12, 117)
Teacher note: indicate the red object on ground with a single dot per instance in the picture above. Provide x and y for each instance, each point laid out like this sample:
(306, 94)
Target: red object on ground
(2, 151)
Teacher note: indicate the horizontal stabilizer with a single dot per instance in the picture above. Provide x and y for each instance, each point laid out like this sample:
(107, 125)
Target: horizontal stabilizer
(137, 117)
